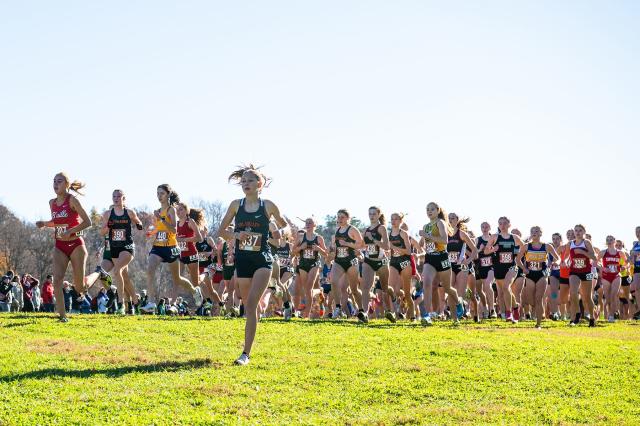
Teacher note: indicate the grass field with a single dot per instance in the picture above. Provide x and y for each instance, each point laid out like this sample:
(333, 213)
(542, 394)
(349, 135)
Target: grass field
(152, 370)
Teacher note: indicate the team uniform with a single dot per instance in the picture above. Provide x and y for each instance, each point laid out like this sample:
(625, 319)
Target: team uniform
(253, 252)
(284, 259)
(580, 263)
(309, 258)
(398, 261)
(165, 244)
(120, 237)
(536, 261)
(456, 250)
(611, 266)
(437, 255)
(565, 270)
(228, 263)
(106, 249)
(373, 256)
(505, 257)
(345, 256)
(188, 251)
(64, 217)
(484, 263)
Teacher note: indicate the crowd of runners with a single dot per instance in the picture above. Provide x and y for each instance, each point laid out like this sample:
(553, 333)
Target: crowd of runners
(259, 263)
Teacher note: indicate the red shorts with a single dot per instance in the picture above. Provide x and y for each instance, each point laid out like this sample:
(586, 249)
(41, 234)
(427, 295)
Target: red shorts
(67, 247)
(217, 277)
(414, 270)
(609, 278)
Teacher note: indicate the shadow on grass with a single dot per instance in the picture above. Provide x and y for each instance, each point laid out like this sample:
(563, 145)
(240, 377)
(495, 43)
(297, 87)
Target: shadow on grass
(18, 324)
(113, 372)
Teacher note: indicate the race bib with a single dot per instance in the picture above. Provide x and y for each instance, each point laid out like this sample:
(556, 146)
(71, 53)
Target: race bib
(60, 229)
(342, 252)
(579, 263)
(613, 268)
(535, 266)
(308, 254)
(431, 247)
(202, 257)
(486, 262)
(284, 262)
(161, 236)
(372, 249)
(118, 235)
(182, 245)
(445, 264)
(506, 257)
(252, 243)
(395, 253)
(405, 264)
(555, 267)
(453, 256)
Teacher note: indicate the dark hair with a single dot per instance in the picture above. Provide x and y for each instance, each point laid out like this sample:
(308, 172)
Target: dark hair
(381, 218)
(237, 174)
(49, 277)
(174, 198)
(344, 212)
(556, 234)
(198, 216)
(462, 223)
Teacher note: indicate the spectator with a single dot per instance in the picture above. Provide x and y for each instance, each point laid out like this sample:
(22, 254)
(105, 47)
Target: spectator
(161, 307)
(68, 296)
(102, 300)
(181, 304)
(16, 290)
(36, 298)
(48, 303)
(5, 294)
(28, 282)
(85, 303)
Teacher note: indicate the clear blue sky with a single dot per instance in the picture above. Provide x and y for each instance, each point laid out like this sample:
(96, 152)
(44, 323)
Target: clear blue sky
(524, 109)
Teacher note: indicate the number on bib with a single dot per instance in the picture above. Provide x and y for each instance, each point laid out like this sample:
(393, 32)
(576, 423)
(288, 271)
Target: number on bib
(453, 256)
(613, 268)
(161, 236)
(118, 235)
(182, 245)
(60, 229)
(342, 252)
(506, 257)
(252, 243)
(284, 262)
(535, 266)
(486, 262)
(430, 247)
(372, 249)
(445, 264)
(405, 264)
(579, 263)
(308, 254)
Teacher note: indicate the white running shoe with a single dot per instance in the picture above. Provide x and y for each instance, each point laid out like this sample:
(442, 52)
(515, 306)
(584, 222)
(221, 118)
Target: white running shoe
(243, 360)
(197, 295)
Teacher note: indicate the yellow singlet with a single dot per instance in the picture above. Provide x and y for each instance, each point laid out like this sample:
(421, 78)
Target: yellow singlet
(164, 237)
(432, 229)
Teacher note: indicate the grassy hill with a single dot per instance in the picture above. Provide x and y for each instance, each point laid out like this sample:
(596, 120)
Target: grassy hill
(145, 370)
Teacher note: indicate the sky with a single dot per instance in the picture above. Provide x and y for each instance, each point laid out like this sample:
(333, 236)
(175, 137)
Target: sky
(524, 109)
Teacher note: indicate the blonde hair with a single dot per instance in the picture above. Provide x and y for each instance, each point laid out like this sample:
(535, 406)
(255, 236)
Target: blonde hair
(74, 186)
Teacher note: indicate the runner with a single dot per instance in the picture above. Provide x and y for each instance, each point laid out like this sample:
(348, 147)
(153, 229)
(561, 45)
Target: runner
(346, 241)
(612, 260)
(308, 247)
(457, 247)
(376, 263)
(400, 265)
(69, 219)
(581, 275)
(118, 223)
(437, 267)
(536, 255)
(165, 245)
(253, 260)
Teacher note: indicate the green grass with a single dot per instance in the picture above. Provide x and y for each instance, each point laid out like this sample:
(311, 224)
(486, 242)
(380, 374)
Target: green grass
(146, 370)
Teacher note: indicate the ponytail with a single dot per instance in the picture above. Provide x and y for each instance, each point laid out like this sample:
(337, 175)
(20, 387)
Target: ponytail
(174, 198)
(74, 186)
(445, 218)
(198, 216)
(381, 218)
(236, 176)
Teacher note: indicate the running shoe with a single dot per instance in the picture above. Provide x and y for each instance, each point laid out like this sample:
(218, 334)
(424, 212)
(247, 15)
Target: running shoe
(592, 322)
(612, 318)
(390, 316)
(516, 313)
(104, 276)
(242, 360)
(401, 316)
(493, 314)
(121, 310)
(197, 295)
(426, 320)
(63, 320)
(362, 317)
